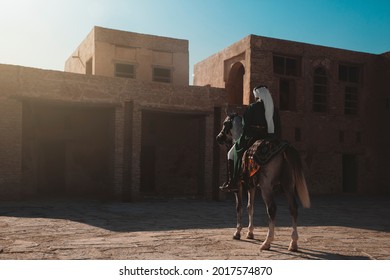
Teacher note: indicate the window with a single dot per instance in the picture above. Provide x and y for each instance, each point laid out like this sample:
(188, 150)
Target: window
(162, 75)
(349, 73)
(287, 66)
(320, 90)
(124, 70)
(352, 76)
(351, 100)
(286, 95)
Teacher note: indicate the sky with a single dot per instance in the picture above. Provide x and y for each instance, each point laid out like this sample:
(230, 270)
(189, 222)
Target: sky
(44, 33)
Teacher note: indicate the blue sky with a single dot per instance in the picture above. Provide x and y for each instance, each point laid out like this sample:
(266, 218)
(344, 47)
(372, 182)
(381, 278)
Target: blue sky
(44, 33)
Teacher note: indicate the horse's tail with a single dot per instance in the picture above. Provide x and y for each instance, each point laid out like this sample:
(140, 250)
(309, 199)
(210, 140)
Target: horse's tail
(294, 159)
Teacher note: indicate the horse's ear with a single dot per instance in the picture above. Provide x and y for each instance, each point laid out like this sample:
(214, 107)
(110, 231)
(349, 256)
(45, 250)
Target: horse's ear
(230, 113)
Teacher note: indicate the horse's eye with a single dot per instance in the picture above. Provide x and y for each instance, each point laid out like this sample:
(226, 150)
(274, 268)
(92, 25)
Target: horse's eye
(228, 124)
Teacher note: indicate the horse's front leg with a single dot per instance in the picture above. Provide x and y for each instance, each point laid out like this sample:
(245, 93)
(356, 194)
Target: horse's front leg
(238, 194)
(250, 208)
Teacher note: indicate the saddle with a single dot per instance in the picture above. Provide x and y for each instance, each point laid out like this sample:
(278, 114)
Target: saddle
(260, 153)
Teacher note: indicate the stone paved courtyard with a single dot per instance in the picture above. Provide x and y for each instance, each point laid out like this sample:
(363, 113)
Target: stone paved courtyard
(336, 228)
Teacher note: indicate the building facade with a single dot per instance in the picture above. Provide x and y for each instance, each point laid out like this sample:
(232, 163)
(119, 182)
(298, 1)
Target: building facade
(142, 57)
(71, 135)
(126, 124)
(333, 104)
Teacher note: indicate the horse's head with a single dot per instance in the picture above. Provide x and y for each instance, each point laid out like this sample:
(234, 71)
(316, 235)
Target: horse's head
(231, 125)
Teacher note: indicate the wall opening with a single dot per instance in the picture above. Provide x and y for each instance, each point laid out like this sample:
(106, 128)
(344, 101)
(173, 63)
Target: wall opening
(89, 67)
(67, 150)
(287, 95)
(350, 172)
(172, 154)
(235, 84)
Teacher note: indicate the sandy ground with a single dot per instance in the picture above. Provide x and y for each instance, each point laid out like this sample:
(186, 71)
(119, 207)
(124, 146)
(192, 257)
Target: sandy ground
(335, 228)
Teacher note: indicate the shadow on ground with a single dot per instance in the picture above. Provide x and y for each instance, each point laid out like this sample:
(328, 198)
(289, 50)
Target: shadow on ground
(366, 212)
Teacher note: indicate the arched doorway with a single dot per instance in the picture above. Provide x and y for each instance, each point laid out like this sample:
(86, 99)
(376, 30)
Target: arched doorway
(235, 84)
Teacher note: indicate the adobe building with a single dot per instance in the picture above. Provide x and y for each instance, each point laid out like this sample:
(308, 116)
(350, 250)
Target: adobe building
(333, 104)
(126, 124)
(115, 53)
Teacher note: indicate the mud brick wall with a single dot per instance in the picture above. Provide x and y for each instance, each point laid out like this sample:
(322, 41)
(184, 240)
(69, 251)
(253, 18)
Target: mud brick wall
(21, 85)
(326, 140)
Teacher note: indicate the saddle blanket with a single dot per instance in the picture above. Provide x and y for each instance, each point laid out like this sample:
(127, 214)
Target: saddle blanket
(260, 153)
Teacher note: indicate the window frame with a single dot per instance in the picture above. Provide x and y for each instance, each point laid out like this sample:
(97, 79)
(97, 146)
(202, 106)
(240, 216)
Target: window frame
(162, 78)
(320, 90)
(350, 75)
(124, 74)
(292, 65)
(351, 100)
(287, 94)
(346, 73)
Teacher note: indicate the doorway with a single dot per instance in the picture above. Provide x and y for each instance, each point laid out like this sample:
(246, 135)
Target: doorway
(235, 84)
(52, 171)
(172, 154)
(67, 149)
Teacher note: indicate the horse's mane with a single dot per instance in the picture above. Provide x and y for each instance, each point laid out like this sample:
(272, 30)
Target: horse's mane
(237, 126)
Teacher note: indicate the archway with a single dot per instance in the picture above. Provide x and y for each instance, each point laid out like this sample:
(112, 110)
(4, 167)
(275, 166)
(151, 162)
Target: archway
(235, 84)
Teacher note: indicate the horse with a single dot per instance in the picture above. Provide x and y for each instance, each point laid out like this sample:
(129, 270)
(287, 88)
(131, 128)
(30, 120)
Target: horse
(284, 169)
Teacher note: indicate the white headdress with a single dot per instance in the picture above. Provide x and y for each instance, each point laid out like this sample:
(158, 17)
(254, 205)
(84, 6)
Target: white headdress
(260, 91)
(263, 94)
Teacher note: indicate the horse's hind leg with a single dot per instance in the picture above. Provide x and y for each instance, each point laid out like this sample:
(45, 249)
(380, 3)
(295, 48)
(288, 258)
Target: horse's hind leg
(238, 194)
(293, 206)
(288, 183)
(271, 210)
(250, 209)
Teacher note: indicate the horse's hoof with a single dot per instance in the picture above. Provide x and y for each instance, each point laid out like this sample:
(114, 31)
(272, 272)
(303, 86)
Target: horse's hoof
(293, 247)
(237, 236)
(265, 246)
(250, 235)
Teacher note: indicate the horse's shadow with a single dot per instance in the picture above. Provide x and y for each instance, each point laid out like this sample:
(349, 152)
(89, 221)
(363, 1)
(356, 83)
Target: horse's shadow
(363, 212)
(304, 253)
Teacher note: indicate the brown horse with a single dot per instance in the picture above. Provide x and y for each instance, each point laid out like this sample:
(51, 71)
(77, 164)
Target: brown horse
(284, 169)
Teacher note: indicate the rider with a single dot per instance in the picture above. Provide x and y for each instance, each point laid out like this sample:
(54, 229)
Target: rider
(258, 124)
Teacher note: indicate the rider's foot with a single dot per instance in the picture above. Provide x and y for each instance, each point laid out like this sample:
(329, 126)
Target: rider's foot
(230, 185)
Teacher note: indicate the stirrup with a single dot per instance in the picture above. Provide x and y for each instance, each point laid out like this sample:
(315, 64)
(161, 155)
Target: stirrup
(228, 187)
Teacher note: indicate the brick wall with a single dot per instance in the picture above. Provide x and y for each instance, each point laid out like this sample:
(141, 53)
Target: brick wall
(19, 84)
(324, 138)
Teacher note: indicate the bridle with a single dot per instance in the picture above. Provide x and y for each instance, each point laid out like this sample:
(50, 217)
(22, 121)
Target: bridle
(225, 135)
